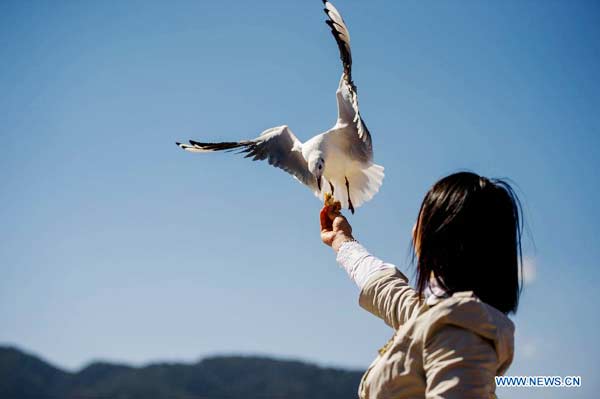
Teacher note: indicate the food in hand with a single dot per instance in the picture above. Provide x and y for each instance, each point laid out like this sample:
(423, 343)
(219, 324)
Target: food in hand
(333, 207)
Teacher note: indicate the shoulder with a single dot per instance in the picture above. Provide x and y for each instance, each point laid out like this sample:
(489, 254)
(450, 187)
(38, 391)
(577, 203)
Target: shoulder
(464, 309)
(463, 320)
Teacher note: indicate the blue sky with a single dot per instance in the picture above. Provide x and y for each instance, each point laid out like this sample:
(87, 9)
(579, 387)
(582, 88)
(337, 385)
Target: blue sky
(116, 245)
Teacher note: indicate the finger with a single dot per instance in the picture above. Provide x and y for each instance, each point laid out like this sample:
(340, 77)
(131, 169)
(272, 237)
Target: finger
(327, 237)
(333, 212)
(326, 222)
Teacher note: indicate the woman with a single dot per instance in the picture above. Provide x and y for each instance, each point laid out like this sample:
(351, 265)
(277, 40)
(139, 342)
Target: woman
(452, 333)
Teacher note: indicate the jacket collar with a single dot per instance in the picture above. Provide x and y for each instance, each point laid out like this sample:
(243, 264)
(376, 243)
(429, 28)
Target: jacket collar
(434, 292)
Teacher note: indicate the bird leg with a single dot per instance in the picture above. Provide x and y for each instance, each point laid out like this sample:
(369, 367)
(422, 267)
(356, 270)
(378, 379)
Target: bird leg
(350, 206)
(331, 187)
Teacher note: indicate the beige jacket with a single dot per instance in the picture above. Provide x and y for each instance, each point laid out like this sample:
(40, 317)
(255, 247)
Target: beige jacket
(450, 348)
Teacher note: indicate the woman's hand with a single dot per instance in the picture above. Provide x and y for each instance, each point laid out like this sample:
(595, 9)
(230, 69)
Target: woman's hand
(335, 229)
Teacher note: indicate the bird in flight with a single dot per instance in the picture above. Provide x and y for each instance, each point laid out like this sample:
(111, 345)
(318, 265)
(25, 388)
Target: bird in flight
(338, 162)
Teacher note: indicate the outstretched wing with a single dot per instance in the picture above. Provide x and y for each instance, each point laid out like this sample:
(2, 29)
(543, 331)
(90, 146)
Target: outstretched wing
(348, 113)
(277, 145)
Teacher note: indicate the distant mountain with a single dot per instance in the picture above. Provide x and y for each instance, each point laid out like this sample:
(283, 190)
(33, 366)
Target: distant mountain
(23, 376)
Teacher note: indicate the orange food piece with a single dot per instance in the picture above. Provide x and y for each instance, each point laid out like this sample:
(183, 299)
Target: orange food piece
(331, 206)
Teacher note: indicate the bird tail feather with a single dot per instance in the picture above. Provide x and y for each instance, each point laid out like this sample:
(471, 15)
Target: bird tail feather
(370, 181)
(364, 184)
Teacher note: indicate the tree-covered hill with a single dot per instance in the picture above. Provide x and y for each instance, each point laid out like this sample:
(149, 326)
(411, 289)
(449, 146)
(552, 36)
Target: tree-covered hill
(23, 376)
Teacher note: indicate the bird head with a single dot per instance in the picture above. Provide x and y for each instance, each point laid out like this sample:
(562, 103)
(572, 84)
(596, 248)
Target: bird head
(316, 166)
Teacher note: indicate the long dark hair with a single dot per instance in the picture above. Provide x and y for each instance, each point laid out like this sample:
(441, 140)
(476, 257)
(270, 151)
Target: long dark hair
(468, 235)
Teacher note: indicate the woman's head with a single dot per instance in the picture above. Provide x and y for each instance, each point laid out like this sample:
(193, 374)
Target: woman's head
(468, 236)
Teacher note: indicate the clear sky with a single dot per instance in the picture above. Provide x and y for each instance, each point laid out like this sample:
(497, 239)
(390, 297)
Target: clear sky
(116, 245)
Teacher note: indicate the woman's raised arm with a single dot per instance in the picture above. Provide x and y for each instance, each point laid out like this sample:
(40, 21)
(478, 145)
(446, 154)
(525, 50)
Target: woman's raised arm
(385, 291)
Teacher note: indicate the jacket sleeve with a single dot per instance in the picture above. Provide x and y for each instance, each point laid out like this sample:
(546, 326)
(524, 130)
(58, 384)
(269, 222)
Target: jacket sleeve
(388, 296)
(459, 364)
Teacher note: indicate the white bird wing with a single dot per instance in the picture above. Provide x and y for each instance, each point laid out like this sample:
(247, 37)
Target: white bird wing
(347, 97)
(277, 145)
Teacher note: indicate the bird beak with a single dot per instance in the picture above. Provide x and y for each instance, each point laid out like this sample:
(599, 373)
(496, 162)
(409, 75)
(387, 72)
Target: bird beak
(319, 182)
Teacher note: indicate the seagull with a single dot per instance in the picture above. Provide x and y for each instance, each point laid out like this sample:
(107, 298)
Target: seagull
(341, 156)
